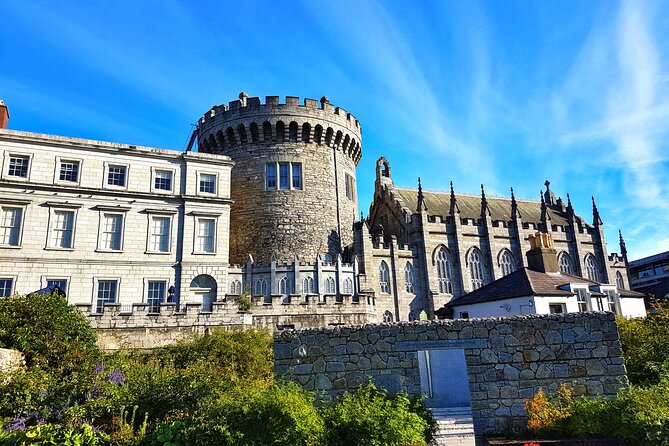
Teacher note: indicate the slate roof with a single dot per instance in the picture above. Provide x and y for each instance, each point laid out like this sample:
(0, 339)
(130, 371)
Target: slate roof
(527, 282)
(439, 203)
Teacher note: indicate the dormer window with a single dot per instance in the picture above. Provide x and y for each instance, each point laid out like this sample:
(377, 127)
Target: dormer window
(583, 298)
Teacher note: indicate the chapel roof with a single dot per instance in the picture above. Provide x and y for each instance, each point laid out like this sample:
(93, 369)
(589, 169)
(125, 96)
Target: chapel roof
(439, 203)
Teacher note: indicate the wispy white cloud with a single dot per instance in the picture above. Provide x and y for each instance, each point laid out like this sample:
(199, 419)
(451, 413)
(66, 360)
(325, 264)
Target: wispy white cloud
(616, 75)
(380, 46)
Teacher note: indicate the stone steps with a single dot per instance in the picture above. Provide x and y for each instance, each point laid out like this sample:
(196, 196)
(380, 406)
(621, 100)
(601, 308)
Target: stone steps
(455, 426)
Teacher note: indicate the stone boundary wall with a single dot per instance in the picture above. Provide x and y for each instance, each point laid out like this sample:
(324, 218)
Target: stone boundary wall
(135, 326)
(508, 359)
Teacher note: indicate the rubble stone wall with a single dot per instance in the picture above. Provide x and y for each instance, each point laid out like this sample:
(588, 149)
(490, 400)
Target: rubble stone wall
(508, 359)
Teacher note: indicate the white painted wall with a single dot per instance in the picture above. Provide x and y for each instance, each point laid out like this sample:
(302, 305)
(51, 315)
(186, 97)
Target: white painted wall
(632, 307)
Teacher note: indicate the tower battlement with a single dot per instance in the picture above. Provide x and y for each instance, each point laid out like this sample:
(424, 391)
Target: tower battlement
(249, 121)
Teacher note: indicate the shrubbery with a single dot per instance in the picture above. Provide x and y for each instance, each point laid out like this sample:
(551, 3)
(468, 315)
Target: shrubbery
(637, 414)
(218, 389)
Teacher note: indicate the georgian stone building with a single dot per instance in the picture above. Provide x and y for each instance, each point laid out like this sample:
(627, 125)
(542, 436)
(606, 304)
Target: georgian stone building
(112, 223)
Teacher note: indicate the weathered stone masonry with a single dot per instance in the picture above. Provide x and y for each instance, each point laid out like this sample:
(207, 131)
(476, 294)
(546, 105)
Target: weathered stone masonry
(508, 359)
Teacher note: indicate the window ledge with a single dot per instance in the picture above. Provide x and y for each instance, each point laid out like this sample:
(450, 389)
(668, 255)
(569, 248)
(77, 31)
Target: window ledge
(160, 253)
(10, 246)
(204, 253)
(113, 251)
(55, 248)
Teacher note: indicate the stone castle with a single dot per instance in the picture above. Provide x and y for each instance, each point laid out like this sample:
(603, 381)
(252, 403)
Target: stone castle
(144, 238)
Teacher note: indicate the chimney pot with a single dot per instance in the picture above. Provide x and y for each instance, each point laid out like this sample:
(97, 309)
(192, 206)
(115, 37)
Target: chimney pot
(4, 114)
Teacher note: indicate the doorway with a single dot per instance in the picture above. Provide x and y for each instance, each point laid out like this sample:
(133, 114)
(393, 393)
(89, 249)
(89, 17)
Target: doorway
(443, 378)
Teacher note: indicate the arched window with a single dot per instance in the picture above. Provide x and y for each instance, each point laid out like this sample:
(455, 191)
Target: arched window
(204, 287)
(443, 264)
(507, 262)
(243, 139)
(267, 132)
(284, 286)
(308, 285)
(235, 287)
(387, 317)
(292, 131)
(475, 263)
(384, 278)
(330, 286)
(318, 134)
(591, 268)
(306, 132)
(255, 137)
(620, 283)
(328, 136)
(566, 265)
(280, 131)
(408, 278)
(348, 286)
(260, 288)
(231, 136)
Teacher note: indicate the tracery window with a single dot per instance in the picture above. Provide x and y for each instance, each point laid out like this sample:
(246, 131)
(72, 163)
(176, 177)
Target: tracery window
(566, 265)
(308, 285)
(475, 262)
(330, 286)
(592, 268)
(507, 262)
(235, 287)
(285, 286)
(408, 278)
(443, 265)
(260, 288)
(348, 286)
(384, 278)
(620, 283)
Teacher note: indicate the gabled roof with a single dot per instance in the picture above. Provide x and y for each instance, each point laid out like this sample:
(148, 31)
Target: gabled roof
(439, 203)
(527, 282)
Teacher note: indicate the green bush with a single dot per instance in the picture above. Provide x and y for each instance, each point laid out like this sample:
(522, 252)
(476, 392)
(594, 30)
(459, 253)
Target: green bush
(54, 434)
(637, 414)
(51, 334)
(645, 343)
(371, 417)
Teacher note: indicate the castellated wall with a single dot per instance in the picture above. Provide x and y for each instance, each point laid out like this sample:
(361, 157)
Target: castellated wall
(507, 359)
(316, 218)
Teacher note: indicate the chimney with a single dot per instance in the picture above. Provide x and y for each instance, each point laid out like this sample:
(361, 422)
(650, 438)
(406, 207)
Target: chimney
(4, 115)
(542, 255)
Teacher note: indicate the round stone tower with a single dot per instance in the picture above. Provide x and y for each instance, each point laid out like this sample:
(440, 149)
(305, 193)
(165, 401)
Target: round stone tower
(293, 184)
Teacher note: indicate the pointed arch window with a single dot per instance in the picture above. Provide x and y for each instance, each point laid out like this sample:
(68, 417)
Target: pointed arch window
(566, 265)
(443, 264)
(348, 286)
(330, 286)
(387, 317)
(620, 283)
(408, 278)
(308, 285)
(475, 262)
(507, 262)
(236, 287)
(260, 288)
(384, 278)
(591, 268)
(285, 286)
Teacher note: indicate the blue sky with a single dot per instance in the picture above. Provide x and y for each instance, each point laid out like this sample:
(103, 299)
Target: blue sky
(501, 93)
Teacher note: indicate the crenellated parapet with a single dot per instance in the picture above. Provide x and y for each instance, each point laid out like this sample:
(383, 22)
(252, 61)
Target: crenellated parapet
(249, 121)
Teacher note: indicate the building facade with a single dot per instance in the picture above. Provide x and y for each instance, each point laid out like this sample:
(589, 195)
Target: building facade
(419, 250)
(266, 208)
(112, 223)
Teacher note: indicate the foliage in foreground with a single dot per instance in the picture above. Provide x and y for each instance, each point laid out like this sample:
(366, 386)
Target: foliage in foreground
(218, 389)
(645, 343)
(284, 414)
(637, 414)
